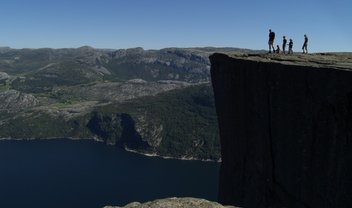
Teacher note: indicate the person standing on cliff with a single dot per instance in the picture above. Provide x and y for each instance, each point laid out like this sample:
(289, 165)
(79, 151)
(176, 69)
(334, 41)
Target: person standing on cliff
(290, 46)
(271, 40)
(305, 44)
(284, 42)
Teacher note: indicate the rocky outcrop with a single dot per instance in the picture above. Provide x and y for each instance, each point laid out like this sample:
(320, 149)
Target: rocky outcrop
(286, 129)
(3, 77)
(175, 202)
(12, 100)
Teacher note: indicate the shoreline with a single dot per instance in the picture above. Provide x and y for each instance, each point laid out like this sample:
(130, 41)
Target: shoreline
(169, 157)
(101, 141)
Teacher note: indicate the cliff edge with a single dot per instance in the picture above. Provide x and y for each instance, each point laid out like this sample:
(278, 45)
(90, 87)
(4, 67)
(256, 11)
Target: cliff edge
(285, 128)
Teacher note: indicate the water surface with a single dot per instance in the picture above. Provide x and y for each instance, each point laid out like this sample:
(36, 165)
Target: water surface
(66, 173)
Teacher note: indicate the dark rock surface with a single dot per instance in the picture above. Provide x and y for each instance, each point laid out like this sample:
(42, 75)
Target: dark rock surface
(286, 129)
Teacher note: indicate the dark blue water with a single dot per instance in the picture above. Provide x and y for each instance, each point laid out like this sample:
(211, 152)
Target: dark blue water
(66, 173)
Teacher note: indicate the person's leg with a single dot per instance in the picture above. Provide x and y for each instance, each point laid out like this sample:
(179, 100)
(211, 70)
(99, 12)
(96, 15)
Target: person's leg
(272, 45)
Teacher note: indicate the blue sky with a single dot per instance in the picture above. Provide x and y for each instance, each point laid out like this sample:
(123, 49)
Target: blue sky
(154, 24)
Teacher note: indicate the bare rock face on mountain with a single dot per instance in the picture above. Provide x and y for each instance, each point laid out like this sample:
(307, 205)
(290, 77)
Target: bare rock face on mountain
(286, 129)
(3, 77)
(13, 100)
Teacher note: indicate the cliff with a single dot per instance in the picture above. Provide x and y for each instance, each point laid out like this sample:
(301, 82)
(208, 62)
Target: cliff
(286, 129)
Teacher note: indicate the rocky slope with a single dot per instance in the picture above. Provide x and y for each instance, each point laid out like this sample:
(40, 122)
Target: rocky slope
(285, 129)
(175, 202)
(13, 100)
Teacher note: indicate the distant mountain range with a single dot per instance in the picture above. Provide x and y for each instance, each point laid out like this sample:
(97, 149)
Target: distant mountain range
(150, 101)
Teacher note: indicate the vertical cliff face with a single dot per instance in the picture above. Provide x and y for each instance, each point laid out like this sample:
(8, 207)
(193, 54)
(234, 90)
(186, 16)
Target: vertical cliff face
(285, 128)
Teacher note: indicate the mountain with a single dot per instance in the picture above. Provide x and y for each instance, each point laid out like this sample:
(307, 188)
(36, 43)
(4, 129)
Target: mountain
(151, 101)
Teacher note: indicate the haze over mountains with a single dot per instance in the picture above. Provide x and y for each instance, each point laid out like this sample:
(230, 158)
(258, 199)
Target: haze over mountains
(152, 101)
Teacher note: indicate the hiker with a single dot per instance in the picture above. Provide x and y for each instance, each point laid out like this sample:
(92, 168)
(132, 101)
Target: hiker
(284, 42)
(277, 49)
(290, 46)
(305, 44)
(271, 40)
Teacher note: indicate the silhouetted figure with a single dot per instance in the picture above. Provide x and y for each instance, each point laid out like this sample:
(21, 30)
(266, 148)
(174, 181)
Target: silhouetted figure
(277, 49)
(290, 46)
(305, 44)
(271, 40)
(284, 42)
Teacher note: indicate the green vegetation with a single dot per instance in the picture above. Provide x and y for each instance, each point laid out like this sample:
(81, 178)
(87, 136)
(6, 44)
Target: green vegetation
(188, 118)
(4, 85)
